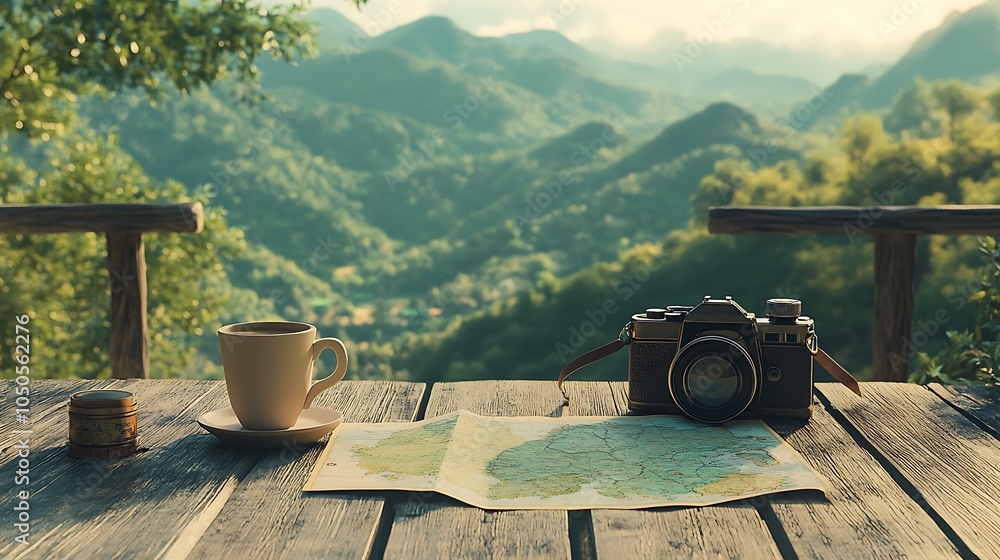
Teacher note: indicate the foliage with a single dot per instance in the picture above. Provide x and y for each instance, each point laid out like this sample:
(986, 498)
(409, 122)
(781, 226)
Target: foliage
(956, 99)
(863, 165)
(491, 240)
(62, 283)
(50, 52)
(971, 355)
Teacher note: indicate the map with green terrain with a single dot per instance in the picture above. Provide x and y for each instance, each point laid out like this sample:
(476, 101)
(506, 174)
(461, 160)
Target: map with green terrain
(573, 462)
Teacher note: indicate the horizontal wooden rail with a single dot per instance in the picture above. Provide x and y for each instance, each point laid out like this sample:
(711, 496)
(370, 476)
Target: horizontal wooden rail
(895, 229)
(77, 218)
(855, 220)
(123, 225)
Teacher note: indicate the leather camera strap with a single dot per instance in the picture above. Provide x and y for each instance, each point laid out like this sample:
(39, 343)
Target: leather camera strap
(836, 371)
(822, 358)
(587, 359)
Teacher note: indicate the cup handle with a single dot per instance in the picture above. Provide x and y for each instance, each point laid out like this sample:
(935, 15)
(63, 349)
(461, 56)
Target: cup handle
(340, 350)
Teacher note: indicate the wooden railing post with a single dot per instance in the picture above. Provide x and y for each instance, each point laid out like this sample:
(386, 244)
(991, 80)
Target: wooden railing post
(895, 229)
(127, 272)
(124, 225)
(895, 254)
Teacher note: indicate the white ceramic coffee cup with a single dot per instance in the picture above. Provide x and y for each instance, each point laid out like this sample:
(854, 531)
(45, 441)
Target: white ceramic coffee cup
(268, 367)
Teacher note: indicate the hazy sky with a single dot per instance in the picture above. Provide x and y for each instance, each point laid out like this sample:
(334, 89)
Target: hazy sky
(835, 26)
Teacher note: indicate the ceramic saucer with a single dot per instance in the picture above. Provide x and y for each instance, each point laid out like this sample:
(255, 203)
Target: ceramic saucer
(313, 424)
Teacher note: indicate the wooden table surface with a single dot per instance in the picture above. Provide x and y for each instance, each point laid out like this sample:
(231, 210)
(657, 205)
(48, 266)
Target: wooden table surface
(915, 472)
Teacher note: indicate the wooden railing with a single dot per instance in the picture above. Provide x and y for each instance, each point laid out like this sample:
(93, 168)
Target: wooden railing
(895, 229)
(123, 225)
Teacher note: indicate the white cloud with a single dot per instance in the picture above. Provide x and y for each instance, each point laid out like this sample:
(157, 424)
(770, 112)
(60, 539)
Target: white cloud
(514, 26)
(845, 25)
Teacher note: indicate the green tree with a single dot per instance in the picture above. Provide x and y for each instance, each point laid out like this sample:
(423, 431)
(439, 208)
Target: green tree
(971, 355)
(62, 283)
(916, 110)
(994, 100)
(51, 54)
(957, 100)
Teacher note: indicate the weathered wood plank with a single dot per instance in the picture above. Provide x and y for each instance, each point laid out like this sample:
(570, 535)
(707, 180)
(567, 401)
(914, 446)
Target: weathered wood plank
(852, 220)
(90, 508)
(129, 332)
(979, 401)
(947, 460)
(47, 398)
(186, 217)
(431, 526)
(866, 513)
(723, 531)
(258, 519)
(50, 415)
(895, 255)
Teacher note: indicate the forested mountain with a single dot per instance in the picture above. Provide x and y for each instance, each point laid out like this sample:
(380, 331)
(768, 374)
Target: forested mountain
(456, 206)
(965, 47)
(564, 317)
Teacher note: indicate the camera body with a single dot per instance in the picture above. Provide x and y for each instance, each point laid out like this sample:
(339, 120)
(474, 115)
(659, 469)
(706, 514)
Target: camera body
(715, 362)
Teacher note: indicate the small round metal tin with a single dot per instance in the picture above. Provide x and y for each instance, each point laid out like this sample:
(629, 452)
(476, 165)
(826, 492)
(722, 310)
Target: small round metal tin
(102, 424)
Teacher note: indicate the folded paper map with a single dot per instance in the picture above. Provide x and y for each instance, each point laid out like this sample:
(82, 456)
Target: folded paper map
(573, 462)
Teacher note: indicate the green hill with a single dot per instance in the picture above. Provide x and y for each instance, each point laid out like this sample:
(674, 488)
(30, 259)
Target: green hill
(965, 47)
(436, 197)
(563, 317)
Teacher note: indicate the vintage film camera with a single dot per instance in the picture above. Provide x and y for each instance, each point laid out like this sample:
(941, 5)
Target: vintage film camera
(716, 361)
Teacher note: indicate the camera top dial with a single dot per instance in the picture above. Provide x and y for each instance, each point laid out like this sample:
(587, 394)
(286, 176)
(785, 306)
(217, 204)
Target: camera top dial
(783, 308)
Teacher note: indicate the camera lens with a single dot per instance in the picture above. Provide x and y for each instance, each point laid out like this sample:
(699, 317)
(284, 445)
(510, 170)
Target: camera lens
(713, 379)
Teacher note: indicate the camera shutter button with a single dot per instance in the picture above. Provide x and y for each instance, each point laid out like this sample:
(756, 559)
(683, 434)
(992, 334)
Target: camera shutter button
(656, 313)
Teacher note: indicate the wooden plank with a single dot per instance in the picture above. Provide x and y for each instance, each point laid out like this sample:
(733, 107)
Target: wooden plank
(952, 219)
(431, 526)
(257, 520)
(50, 418)
(866, 514)
(949, 463)
(978, 401)
(723, 531)
(129, 332)
(188, 217)
(895, 255)
(89, 508)
(48, 397)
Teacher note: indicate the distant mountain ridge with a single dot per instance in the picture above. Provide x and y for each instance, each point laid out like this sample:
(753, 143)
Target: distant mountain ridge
(428, 170)
(719, 123)
(966, 47)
